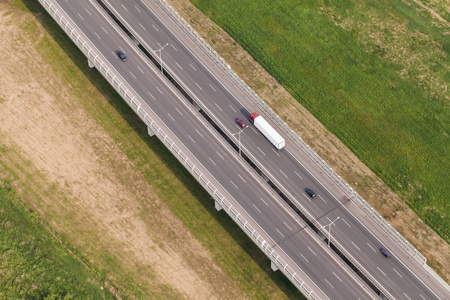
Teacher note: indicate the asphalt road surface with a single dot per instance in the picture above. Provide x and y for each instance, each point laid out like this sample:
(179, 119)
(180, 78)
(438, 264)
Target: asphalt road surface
(224, 102)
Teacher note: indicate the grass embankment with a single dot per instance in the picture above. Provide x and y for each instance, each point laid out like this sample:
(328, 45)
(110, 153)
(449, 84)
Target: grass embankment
(116, 234)
(33, 264)
(380, 87)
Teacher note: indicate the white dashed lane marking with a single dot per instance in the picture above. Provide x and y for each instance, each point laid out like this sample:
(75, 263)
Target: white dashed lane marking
(124, 7)
(397, 272)
(322, 199)
(284, 174)
(219, 155)
(329, 283)
(212, 161)
(198, 86)
(142, 26)
(298, 175)
(193, 67)
(264, 201)
(261, 150)
(155, 27)
(137, 8)
(287, 226)
(312, 251)
(212, 88)
(371, 247)
(159, 90)
(234, 184)
(256, 208)
(337, 276)
(356, 246)
(256, 132)
(191, 138)
(381, 271)
(199, 133)
(241, 178)
(179, 66)
(279, 232)
(218, 107)
(304, 257)
(346, 223)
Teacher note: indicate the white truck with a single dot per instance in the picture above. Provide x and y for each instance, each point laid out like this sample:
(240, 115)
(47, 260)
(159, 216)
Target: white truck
(268, 131)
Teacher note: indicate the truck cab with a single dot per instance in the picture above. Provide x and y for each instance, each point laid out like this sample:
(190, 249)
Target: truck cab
(252, 117)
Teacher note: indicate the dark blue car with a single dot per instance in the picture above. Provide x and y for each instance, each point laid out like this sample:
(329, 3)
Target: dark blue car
(310, 192)
(386, 253)
(121, 55)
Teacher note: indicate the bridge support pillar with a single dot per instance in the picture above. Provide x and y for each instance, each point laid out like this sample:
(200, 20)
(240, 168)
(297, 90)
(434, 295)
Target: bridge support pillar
(91, 64)
(264, 177)
(273, 266)
(217, 206)
(135, 41)
(322, 236)
(196, 106)
(150, 132)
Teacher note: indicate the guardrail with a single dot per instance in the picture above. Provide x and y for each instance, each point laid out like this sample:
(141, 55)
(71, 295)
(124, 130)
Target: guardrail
(135, 102)
(306, 149)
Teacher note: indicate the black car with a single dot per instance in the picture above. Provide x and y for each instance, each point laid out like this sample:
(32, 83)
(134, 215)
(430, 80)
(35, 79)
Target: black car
(121, 55)
(310, 192)
(385, 252)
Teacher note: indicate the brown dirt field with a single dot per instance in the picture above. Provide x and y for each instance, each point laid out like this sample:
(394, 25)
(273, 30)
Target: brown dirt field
(328, 146)
(75, 176)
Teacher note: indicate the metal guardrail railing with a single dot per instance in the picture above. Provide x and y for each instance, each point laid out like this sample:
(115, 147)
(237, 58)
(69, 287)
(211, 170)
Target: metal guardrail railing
(306, 149)
(205, 109)
(136, 103)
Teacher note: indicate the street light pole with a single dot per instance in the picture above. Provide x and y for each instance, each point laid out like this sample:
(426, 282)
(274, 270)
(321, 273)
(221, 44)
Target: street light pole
(160, 55)
(329, 230)
(239, 135)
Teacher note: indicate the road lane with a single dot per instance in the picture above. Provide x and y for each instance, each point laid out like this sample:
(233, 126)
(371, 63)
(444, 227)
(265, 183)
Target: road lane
(194, 75)
(163, 104)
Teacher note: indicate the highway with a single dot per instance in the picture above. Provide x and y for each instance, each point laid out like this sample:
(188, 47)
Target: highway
(224, 102)
(242, 183)
(189, 66)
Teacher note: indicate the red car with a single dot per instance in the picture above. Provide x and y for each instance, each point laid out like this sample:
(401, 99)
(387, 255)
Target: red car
(241, 123)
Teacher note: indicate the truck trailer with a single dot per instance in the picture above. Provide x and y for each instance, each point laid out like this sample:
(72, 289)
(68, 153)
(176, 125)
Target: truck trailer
(268, 131)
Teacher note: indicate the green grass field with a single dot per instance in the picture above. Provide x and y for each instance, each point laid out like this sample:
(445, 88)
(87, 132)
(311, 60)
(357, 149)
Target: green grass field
(34, 265)
(395, 121)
